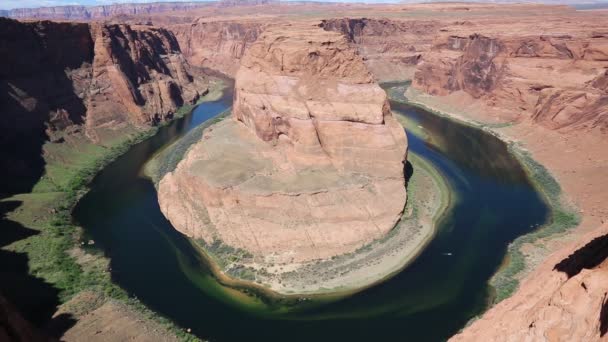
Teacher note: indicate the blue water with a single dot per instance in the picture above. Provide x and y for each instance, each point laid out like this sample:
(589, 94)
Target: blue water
(428, 301)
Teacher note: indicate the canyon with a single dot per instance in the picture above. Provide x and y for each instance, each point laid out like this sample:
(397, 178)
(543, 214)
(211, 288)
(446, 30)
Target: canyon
(311, 139)
(530, 74)
(96, 81)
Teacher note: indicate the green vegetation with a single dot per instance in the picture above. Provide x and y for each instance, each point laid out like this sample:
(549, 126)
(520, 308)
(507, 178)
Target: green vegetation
(54, 255)
(561, 219)
(166, 161)
(222, 254)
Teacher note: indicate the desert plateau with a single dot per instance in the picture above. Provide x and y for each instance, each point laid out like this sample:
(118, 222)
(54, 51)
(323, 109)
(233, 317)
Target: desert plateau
(272, 170)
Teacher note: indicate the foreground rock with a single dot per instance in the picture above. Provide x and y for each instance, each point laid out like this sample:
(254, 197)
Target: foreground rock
(309, 167)
(564, 300)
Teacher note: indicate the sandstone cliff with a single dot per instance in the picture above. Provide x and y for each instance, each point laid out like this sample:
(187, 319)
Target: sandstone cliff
(564, 300)
(139, 77)
(59, 78)
(310, 167)
(218, 45)
(391, 48)
(556, 80)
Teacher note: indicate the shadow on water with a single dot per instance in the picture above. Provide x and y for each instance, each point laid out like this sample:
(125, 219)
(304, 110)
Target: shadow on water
(430, 300)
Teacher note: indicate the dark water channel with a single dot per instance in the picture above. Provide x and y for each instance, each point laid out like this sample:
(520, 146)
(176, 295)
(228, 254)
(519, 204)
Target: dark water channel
(428, 301)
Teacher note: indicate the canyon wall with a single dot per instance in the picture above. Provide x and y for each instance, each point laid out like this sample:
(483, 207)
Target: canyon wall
(540, 82)
(100, 12)
(101, 80)
(557, 80)
(391, 48)
(218, 45)
(311, 164)
(564, 300)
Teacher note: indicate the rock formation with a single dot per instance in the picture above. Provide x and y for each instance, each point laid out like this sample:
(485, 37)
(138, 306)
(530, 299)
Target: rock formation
(564, 300)
(105, 80)
(391, 48)
(218, 45)
(309, 167)
(524, 76)
(139, 76)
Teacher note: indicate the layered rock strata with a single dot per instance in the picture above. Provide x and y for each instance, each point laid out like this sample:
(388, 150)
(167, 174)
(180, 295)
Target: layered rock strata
(391, 48)
(311, 164)
(557, 80)
(564, 300)
(102, 80)
(217, 45)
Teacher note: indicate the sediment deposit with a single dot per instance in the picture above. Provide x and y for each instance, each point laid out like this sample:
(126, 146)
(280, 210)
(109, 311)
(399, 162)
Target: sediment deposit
(309, 167)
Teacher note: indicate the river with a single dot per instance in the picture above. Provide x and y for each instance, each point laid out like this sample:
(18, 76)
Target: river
(430, 300)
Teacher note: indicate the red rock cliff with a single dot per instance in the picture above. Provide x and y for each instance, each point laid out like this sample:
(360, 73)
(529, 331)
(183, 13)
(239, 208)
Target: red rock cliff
(565, 300)
(101, 79)
(391, 48)
(217, 45)
(558, 81)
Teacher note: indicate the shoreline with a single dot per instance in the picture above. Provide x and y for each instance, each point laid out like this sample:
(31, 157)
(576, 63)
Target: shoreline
(383, 266)
(343, 291)
(562, 216)
(77, 271)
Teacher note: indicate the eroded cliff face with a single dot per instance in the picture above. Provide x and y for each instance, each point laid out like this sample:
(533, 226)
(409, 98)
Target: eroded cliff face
(139, 77)
(564, 300)
(310, 166)
(391, 48)
(93, 79)
(558, 81)
(217, 45)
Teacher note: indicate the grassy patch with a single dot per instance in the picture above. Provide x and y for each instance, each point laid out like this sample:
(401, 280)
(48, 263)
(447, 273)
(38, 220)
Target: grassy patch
(70, 168)
(561, 219)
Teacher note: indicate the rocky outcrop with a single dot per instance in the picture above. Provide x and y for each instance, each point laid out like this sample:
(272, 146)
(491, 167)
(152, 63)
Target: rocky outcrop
(98, 79)
(557, 81)
(99, 12)
(139, 77)
(218, 45)
(310, 167)
(391, 48)
(564, 300)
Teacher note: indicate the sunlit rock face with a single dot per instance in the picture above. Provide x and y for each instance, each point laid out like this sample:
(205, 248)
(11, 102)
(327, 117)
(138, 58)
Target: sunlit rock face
(309, 166)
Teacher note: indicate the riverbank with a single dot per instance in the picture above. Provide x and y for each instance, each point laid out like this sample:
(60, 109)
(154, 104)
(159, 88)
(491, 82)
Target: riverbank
(344, 274)
(527, 251)
(72, 269)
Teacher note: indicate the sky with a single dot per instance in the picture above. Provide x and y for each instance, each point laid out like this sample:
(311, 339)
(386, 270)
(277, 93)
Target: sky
(8, 4)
